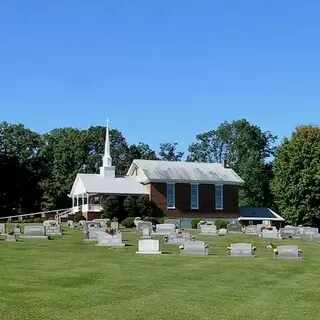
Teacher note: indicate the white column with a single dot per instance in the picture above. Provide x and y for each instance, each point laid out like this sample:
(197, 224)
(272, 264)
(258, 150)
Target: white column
(77, 200)
(83, 199)
(72, 201)
(88, 200)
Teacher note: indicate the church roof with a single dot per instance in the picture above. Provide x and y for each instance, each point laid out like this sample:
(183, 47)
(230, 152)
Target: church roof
(179, 171)
(97, 184)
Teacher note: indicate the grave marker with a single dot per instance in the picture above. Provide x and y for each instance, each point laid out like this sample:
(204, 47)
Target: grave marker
(195, 247)
(148, 246)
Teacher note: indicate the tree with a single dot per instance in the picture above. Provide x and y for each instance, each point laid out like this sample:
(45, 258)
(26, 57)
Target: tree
(130, 206)
(296, 183)
(142, 151)
(112, 207)
(64, 151)
(138, 206)
(246, 148)
(168, 152)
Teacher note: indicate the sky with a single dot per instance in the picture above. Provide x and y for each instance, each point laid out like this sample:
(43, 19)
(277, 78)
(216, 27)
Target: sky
(160, 70)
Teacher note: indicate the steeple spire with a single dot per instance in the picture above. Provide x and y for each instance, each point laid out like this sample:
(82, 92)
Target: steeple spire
(107, 160)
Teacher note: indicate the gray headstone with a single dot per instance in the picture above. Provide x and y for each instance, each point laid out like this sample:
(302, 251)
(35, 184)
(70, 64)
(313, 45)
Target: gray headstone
(315, 237)
(115, 225)
(93, 233)
(222, 232)
(146, 233)
(165, 229)
(88, 225)
(269, 234)
(250, 229)
(34, 232)
(107, 240)
(308, 231)
(176, 222)
(148, 246)
(53, 230)
(207, 229)
(2, 228)
(178, 238)
(241, 250)
(289, 232)
(288, 252)
(11, 238)
(144, 225)
(195, 247)
(234, 228)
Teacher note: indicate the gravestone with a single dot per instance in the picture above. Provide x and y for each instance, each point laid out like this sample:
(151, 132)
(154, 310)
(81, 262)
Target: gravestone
(209, 230)
(2, 228)
(289, 232)
(88, 225)
(252, 229)
(70, 224)
(307, 232)
(93, 234)
(148, 246)
(34, 232)
(195, 247)
(81, 224)
(269, 234)
(165, 229)
(315, 237)
(241, 250)
(234, 228)
(53, 230)
(176, 222)
(103, 222)
(17, 230)
(178, 238)
(145, 233)
(143, 225)
(115, 225)
(222, 232)
(287, 252)
(108, 240)
(48, 223)
(11, 238)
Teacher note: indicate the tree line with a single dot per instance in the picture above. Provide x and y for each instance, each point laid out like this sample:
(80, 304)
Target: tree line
(38, 170)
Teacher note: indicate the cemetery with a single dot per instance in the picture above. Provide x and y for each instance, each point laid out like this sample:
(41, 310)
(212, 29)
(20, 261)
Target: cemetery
(75, 271)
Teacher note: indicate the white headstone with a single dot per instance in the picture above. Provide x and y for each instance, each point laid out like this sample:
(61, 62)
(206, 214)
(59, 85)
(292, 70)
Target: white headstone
(148, 246)
(207, 229)
(165, 229)
(108, 240)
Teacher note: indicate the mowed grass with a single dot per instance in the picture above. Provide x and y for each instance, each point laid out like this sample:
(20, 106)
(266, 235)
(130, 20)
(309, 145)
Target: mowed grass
(68, 278)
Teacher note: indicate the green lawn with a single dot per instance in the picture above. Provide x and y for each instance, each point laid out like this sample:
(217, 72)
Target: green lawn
(67, 278)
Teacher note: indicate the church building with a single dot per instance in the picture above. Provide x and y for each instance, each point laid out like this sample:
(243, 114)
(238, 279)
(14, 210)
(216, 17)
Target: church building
(185, 190)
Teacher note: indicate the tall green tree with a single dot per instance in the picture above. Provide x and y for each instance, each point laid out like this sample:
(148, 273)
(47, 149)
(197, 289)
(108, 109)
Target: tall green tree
(296, 183)
(64, 152)
(142, 151)
(246, 149)
(168, 152)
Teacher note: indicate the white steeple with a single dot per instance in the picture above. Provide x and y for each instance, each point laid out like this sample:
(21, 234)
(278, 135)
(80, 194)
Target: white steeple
(107, 160)
(107, 170)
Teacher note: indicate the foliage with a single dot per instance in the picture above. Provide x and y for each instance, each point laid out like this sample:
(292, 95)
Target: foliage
(163, 219)
(79, 216)
(38, 220)
(152, 220)
(142, 151)
(128, 222)
(296, 182)
(246, 148)
(138, 206)
(195, 222)
(221, 224)
(111, 207)
(168, 152)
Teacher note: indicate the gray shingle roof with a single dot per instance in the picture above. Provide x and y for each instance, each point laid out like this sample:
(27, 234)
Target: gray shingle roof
(95, 183)
(157, 170)
(254, 213)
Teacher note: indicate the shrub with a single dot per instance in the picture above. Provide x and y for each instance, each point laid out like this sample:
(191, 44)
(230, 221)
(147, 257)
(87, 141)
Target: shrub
(78, 216)
(161, 220)
(152, 220)
(221, 224)
(194, 223)
(30, 220)
(38, 220)
(128, 222)
(111, 207)
(130, 206)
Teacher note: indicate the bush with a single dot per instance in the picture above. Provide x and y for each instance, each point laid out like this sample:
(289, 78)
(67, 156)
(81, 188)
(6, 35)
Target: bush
(128, 222)
(194, 223)
(30, 220)
(78, 216)
(112, 207)
(161, 220)
(38, 220)
(221, 224)
(152, 220)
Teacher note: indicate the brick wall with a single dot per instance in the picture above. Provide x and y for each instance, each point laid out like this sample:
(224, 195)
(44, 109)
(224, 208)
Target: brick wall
(158, 195)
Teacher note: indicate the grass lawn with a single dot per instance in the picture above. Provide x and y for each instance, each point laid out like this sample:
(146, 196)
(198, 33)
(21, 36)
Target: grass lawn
(68, 278)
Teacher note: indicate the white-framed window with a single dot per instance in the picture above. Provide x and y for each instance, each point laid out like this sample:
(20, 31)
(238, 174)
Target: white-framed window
(171, 195)
(194, 196)
(219, 197)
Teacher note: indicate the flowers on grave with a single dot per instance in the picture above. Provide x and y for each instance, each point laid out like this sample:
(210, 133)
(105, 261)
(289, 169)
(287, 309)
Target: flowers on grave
(179, 231)
(206, 246)
(17, 226)
(275, 251)
(11, 233)
(254, 248)
(165, 238)
(229, 248)
(53, 224)
(181, 247)
(111, 231)
(299, 252)
(193, 238)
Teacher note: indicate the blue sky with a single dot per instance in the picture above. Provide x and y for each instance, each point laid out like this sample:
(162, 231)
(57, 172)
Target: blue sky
(161, 70)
